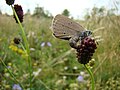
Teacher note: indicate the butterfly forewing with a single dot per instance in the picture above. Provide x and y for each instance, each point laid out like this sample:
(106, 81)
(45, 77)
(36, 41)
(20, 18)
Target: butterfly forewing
(68, 22)
(64, 27)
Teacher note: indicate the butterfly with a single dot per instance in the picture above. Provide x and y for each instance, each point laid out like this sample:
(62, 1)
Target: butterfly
(67, 29)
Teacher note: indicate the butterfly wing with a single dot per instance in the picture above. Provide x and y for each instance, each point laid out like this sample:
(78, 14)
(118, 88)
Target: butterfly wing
(65, 28)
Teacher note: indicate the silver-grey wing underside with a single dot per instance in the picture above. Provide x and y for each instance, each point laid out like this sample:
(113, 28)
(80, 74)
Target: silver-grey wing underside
(65, 28)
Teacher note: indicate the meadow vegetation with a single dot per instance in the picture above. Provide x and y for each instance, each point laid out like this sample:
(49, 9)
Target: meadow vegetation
(55, 66)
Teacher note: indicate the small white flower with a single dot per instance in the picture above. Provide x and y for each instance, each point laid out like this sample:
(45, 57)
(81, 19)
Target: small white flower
(75, 67)
(66, 68)
(37, 72)
(82, 73)
(42, 44)
(32, 49)
(64, 77)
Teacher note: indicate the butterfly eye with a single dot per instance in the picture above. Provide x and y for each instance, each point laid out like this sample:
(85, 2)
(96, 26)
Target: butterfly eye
(90, 32)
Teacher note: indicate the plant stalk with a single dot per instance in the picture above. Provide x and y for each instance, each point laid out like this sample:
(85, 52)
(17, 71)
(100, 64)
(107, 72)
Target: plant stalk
(91, 75)
(26, 46)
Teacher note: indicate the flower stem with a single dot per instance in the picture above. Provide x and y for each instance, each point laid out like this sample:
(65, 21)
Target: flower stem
(26, 46)
(11, 74)
(91, 75)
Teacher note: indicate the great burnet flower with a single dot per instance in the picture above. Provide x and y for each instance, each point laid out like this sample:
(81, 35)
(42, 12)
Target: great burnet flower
(10, 2)
(85, 50)
(17, 40)
(19, 12)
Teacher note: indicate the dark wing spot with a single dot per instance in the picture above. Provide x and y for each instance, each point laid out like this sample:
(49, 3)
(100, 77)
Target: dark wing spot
(65, 38)
(54, 28)
(54, 34)
(69, 23)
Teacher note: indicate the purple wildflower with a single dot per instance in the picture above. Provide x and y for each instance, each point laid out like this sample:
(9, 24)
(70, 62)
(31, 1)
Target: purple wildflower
(49, 44)
(16, 87)
(8, 67)
(80, 78)
(46, 44)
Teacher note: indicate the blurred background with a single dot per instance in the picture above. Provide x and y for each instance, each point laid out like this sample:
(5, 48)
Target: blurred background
(55, 66)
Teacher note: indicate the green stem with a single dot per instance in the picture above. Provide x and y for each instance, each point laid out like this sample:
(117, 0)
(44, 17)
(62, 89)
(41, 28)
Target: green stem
(91, 75)
(26, 45)
(23, 47)
(44, 84)
(11, 74)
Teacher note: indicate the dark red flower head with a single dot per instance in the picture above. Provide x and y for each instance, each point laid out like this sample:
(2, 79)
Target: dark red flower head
(19, 12)
(17, 40)
(85, 50)
(10, 2)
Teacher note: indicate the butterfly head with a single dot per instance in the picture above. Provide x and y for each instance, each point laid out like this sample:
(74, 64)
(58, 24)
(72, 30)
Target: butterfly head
(85, 33)
(88, 32)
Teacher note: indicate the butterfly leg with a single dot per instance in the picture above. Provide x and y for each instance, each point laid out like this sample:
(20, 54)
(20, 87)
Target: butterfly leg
(73, 42)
